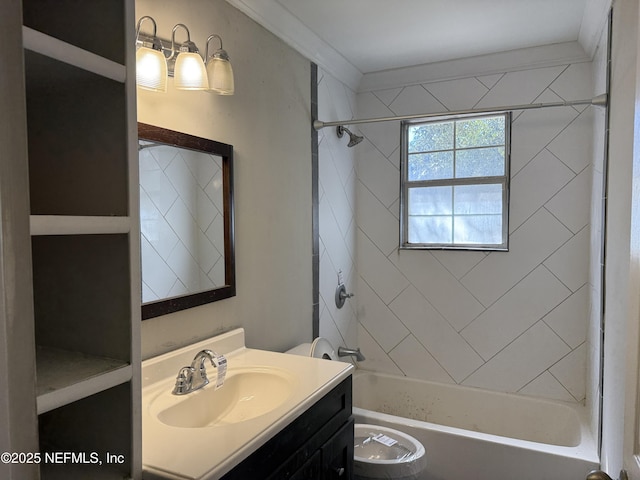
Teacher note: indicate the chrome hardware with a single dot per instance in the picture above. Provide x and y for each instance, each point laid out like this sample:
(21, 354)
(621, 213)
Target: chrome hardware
(182, 381)
(193, 378)
(600, 475)
(353, 138)
(353, 352)
(342, 295)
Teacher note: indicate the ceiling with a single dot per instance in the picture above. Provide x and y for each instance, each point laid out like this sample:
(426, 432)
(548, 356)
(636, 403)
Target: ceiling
(375, 35)
(356, 38)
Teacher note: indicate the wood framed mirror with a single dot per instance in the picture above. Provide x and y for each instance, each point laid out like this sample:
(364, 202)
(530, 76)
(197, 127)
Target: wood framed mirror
(186, 220)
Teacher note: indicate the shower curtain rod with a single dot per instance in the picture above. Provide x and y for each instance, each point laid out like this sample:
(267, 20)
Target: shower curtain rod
(599, 101)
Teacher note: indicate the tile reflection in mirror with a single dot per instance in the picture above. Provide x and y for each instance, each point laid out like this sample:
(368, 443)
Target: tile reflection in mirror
(183, 208)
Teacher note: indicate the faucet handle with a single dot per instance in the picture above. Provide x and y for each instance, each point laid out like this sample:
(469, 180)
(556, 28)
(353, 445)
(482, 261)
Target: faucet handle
(183, 381)
(341, 295)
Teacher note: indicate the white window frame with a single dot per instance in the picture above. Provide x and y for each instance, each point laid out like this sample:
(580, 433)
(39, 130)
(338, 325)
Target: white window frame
(406, 185)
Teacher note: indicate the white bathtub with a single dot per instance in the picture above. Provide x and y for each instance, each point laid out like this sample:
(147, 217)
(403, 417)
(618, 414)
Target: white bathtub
(474, 434)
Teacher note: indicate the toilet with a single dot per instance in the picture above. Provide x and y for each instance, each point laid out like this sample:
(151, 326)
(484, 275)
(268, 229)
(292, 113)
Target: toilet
(379, 452)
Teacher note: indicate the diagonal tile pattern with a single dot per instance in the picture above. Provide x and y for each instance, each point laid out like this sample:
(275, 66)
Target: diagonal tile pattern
(337, 226)
(530, 245)
(511, 321)
(181, 221)
(516, 311)
(437, 336)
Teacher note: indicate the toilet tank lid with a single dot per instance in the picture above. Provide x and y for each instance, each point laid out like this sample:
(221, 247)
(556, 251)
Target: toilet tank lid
(304, 349)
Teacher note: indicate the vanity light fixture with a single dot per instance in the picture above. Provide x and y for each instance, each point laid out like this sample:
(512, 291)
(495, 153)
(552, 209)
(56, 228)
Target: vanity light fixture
(189, 71)
(157, 58)
(151, 64)
(219, 69)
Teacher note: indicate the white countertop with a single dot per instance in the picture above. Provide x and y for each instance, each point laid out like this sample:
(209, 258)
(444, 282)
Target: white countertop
(210, 452)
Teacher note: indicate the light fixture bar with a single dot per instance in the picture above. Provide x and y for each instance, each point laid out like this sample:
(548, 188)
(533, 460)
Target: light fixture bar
(598, 101)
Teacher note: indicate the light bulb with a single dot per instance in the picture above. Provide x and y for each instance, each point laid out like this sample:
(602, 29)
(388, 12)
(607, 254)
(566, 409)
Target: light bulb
(189, 72)
(151, 69)
(220, 75)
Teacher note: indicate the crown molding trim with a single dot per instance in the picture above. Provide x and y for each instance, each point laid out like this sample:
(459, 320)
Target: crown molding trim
(279, 21)
(512, 60)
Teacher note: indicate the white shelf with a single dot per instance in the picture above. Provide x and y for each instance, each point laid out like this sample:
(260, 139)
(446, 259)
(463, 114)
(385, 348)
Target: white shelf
(77, 225)
(64, 376)
(65, 52)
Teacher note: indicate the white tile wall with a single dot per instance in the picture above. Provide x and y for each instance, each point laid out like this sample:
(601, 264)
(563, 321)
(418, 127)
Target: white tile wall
(529, 245)
(517, 88)
(450, 297)
(437, 335)
(567, 319)
(415, 99)
(458, 94)
(379, 319)
(416, 361)
(533, 130)
(535, 185)
(516, 311)
(378, 271)
(546, 385)
(568, 204)
(521, 361)
(514, 321)
(337, 226)
(376, 222)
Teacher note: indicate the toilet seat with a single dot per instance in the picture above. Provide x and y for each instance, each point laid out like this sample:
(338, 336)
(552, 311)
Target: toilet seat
(322, 348)
(381, 452)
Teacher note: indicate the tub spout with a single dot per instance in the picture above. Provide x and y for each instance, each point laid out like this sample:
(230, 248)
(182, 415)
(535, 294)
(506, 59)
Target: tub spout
(353, 352)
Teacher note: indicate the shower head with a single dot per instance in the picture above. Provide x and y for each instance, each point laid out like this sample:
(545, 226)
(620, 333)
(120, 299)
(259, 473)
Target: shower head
(353, 138)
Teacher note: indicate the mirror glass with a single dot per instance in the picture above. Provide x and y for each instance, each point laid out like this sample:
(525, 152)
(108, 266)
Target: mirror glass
(186, 220)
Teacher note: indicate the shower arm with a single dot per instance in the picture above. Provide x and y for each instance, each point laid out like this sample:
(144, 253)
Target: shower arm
(598, 101)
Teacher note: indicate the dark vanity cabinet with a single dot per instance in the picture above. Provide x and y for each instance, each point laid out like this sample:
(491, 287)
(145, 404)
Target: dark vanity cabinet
(318, 445)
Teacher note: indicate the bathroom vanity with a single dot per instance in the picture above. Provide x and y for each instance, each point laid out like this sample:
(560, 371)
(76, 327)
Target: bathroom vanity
(276, 416)
(317, 445)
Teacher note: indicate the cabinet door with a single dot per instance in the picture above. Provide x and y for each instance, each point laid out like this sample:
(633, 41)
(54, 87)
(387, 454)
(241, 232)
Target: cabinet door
(311, 469)
(337, 454)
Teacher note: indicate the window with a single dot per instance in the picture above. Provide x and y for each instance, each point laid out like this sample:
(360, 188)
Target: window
(455, 183)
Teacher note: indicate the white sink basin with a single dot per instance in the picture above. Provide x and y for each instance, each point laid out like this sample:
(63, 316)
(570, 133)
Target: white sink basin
(204, 434)
(247, 393)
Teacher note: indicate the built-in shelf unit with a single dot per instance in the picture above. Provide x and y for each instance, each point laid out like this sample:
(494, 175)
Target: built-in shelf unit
(83, 183)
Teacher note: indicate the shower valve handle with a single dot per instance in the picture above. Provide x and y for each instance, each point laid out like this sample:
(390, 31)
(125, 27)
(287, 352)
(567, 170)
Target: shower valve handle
(341, 295)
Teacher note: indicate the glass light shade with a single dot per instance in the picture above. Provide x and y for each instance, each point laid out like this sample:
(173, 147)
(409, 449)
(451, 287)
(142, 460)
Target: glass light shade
(220, 76)
(189, 72)
(151, 69)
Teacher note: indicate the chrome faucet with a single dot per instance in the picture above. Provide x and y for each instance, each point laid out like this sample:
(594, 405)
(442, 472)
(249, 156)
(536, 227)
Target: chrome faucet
(353, 352)
(193, 378)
